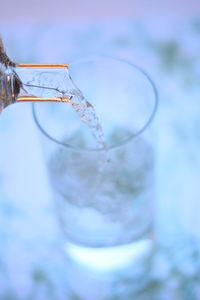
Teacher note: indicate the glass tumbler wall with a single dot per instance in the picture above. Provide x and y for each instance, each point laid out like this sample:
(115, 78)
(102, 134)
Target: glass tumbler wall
(114, 206)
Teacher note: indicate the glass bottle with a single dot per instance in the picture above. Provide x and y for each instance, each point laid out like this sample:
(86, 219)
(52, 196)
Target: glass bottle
(21, 82)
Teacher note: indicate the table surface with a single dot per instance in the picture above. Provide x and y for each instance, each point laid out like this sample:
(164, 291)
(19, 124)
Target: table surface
(31, 265)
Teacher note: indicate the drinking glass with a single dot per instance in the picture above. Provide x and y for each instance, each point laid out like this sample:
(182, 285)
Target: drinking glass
(104, 198)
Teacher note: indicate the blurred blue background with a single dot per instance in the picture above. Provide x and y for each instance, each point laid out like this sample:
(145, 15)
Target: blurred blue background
(164, 39)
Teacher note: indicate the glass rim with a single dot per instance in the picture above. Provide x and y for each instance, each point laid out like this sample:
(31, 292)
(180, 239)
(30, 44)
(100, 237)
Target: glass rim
(132, 136)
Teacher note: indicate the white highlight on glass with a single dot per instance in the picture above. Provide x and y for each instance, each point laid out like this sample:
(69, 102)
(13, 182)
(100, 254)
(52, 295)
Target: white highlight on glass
(108, 258)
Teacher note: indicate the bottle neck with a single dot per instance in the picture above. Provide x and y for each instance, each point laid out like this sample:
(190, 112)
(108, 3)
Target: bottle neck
(30, 82)
(9, 85)
(9, 81)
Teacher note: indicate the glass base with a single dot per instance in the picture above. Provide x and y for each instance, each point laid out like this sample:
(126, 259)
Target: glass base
(109, 258)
